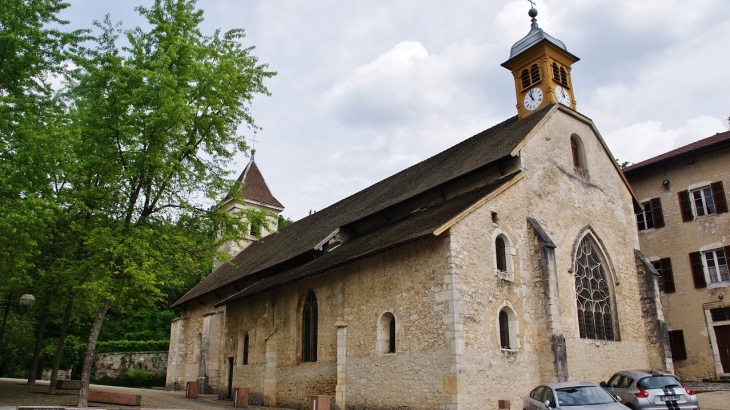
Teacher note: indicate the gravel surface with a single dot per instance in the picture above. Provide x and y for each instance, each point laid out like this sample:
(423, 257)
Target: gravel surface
(14, 392)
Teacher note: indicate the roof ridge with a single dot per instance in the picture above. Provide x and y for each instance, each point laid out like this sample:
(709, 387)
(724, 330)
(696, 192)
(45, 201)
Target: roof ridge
(685, 149)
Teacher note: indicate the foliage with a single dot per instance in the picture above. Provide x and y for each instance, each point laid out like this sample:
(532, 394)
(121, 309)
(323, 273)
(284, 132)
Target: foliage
(120, 346)
(141, 324)
(623, 164)
(18, 336)
(73, 350)
(134, 378)
(282, 222)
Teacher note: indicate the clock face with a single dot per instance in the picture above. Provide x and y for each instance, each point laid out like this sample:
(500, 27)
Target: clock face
(563, 96)
(533, 98)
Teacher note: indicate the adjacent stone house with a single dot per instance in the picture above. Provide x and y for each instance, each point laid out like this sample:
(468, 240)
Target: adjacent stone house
(684, 230)
(505, 261)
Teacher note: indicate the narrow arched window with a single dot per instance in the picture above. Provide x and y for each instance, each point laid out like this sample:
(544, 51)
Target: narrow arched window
(503, 330)
(535, 73)
(525, 79)
(501, 254)
(595, 309)
(556, 73)
(386, 333)
(196, 347)
(245, 349)
(309, 328)
(576, 149)
(563, 76)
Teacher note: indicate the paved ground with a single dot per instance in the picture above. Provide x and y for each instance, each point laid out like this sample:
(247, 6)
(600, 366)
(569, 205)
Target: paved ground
(14, 392)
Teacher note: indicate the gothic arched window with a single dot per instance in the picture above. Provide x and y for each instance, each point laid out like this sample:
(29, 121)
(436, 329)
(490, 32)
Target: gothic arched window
(309, 328)
(578, 153)
(595, 310)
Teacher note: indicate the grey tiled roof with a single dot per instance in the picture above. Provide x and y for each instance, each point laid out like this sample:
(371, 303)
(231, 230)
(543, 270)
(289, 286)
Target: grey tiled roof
(275, 252)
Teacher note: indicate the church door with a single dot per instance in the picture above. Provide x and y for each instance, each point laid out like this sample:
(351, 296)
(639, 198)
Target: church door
(722, 334)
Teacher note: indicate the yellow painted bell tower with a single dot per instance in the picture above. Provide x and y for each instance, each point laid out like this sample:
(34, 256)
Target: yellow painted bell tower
(540, 64)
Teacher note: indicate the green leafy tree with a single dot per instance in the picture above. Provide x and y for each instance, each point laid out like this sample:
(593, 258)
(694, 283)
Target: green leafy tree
(154, 126)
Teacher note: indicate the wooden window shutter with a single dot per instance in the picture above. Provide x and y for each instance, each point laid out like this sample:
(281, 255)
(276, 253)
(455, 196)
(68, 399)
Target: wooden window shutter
(727, 254)
(718, 194)
(676, 343)
(656, 212)
(685, 206)
(667, 275)
(698, 271)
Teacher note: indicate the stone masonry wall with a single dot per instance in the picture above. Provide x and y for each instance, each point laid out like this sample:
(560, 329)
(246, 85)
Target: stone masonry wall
(567, 204)
(404, 281)
(114, 364)
(687, 309)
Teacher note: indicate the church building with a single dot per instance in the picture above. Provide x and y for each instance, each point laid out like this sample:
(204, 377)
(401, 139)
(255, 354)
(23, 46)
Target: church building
(505, 261)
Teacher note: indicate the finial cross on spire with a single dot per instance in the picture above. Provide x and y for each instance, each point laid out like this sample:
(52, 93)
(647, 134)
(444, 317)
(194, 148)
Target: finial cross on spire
(532, 3)
(253, 143)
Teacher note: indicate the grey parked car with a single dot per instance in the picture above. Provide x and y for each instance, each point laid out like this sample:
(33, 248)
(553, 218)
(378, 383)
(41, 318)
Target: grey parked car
(651, 389)
(570, 396)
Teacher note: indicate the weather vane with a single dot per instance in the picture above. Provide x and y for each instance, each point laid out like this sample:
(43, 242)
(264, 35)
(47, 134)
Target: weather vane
(532, 3)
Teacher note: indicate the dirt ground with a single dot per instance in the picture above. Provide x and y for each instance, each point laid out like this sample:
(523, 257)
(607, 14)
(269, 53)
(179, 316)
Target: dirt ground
(14, 392)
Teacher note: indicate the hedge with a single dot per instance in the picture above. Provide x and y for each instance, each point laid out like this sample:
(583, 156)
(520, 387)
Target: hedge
(120, 346)
(134, 378)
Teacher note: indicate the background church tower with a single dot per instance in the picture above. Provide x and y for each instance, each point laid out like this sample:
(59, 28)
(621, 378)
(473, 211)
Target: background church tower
(540, 64)
(256, 196)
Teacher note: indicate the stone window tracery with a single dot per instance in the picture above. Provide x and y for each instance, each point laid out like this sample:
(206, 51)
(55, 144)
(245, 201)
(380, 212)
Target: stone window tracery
(595, 312)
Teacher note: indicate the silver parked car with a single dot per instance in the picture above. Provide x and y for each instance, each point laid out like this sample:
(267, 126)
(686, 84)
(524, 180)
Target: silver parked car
(570, 396)
(651, 389)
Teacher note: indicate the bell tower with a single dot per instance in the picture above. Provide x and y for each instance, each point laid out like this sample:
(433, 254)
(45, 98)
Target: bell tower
(540, 64)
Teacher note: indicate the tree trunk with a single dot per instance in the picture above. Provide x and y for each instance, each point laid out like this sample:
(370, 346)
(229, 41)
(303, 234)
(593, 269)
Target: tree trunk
(89, 353)
(5, 318)
(38, 342)
(59, 348)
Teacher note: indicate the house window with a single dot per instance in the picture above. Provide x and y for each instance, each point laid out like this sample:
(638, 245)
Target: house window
(666, 279)
(720, 314)
(309, 328)
(595, 311)
(649, 215)
(254, 229)
(386, 333)
(716, 266)
(576, 149)
(501, 254)
(702, 201)
(676, 344)
(245, 349)
(556, 73)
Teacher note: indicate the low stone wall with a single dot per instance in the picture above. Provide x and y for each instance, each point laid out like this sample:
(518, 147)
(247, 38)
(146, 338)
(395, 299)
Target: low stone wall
(63, 374)
(114, 364)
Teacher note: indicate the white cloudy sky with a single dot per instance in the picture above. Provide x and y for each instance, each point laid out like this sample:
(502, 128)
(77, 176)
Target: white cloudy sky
(367, 88)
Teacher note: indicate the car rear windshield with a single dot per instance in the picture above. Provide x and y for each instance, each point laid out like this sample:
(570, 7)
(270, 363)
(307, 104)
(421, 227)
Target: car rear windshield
(658, 382)
(582, 395)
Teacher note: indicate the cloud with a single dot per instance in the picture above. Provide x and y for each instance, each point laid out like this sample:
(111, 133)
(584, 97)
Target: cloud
(644, 140)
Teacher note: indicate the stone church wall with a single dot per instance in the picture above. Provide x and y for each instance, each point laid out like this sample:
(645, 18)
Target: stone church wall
(567, 203)
(404, 281)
